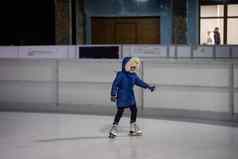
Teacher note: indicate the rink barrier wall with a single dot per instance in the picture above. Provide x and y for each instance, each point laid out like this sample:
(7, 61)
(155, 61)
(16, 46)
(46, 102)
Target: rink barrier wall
(188, 86)
(42, 52)
(143, 51)
(235, 88)
(206, 89)
(181, 51)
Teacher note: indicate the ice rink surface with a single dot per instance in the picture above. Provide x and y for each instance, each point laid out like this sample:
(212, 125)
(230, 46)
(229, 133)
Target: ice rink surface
(66, 136)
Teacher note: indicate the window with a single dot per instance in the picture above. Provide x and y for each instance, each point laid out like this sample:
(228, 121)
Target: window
(224, 16)
(207, 28)
(233, 10)
(212, 11)
(212, 16)
(232, 23)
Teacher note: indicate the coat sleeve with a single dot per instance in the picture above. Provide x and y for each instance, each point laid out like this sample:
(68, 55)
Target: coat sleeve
(141, 83)
(115, 84)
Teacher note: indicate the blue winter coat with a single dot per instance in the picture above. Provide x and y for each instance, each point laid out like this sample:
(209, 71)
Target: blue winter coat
(123, 84)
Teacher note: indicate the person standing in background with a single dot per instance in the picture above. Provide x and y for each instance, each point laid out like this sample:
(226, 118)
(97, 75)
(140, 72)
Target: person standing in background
(210, 40)
(217, 38)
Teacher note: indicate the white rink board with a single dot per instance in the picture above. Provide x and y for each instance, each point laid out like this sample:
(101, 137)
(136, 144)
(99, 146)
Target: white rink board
(236, 102)
(48, 52)
(8, 52)
(188, 100)
(184, 51)
(222, 51)
(145, 51)
(72, 52)
(89, 70)
(236, 76)
(203, 52)
(27, 70)
(54, 52)
(189, 74)
(172, 51)
(27, 93)
(88, 94)
(85, 94)
(234, 51)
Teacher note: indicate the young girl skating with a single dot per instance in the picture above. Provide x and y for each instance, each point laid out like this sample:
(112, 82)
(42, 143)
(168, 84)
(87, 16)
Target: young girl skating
(123, 94)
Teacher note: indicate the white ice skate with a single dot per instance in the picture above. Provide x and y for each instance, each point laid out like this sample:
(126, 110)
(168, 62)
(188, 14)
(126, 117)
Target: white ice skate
(135, 130)
(113, 132)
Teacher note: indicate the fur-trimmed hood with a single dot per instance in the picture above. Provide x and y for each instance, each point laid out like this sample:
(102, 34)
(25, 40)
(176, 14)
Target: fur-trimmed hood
(130, 61)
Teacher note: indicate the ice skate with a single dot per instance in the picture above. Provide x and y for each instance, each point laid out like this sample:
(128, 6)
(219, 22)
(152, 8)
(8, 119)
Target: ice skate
(135, 130)
(113, 132)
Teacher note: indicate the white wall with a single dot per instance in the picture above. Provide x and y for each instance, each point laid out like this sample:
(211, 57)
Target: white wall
(8, 52)
(203, 52)
(85, 94)
(183, 51)
(27, 81)
(18, 92)
(188, 86)
(222, 51)
(142, 51)
(46, 52)
(86, 82)
(236, 87)
(236, 102)
(236, 76)
(145, 51)
(188, 99)
(28, 70)
(187, 74)
(88, 70)
(172, 51)
(234, 51)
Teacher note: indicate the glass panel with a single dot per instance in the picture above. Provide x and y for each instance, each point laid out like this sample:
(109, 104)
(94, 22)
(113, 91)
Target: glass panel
(207, 27)
(232, 32)
(212, 11)
(233, 10)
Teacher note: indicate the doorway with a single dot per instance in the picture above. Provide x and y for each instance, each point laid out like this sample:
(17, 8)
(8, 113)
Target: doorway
(125, 30)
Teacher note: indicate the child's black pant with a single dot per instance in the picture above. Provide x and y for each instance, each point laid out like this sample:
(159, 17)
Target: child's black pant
(120, 112)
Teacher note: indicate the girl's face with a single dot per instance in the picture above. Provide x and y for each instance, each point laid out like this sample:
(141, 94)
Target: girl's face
(133, 68)
(132, 65)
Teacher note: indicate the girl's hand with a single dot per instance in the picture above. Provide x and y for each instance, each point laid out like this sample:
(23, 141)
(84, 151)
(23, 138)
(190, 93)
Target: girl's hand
(113, 98)
(151, 88)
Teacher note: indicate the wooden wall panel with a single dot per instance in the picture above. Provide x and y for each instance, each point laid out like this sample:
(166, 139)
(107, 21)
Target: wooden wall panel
(130, 30)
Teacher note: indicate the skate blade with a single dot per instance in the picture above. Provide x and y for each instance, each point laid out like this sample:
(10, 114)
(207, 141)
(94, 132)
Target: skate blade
(135, 134)
(111, 136)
